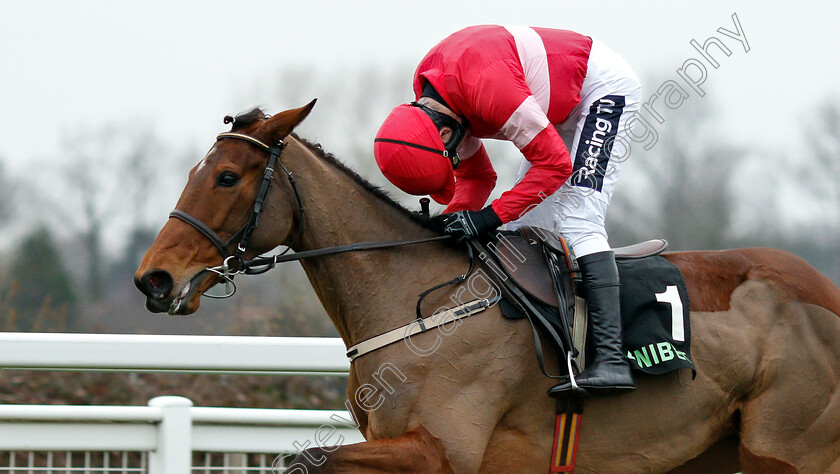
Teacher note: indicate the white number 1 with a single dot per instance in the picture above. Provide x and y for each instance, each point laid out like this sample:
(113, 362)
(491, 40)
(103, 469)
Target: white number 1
(671, 296)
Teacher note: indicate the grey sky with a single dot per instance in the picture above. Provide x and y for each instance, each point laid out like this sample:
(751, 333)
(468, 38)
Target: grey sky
(183, 65)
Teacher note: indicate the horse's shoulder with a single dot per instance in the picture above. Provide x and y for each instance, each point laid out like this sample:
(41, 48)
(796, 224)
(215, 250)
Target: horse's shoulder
(715, 274)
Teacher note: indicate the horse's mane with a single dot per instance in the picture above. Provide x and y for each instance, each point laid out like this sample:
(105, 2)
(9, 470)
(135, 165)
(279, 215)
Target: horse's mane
(246, 119)
(380, 193)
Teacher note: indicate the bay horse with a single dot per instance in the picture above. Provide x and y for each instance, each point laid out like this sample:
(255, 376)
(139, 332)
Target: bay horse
(765, 325)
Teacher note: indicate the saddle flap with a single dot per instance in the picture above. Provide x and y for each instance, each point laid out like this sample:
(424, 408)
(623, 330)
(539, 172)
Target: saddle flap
(523, 259)
(544, 236)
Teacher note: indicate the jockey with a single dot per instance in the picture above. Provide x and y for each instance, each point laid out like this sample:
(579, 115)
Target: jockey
(564, 100)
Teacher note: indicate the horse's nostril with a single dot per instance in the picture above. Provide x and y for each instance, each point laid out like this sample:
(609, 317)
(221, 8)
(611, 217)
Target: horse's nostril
(156, 279)
(156, 284)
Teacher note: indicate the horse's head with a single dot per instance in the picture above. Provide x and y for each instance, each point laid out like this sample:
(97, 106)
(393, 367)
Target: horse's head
(214, 221)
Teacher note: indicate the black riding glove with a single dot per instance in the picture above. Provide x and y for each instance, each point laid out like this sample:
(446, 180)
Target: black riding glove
(464, 225)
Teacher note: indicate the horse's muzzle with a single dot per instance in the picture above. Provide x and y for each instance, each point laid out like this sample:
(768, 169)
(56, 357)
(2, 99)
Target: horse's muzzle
(157, 286)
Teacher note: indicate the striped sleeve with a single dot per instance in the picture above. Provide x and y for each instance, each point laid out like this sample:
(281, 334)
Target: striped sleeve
(502, 98)
(475, 178)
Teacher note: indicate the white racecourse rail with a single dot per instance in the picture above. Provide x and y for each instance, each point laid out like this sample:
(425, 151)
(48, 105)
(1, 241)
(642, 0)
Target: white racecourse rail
(165, 435)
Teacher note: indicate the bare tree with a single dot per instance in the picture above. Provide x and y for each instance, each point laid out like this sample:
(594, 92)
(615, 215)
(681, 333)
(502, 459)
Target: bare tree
(38, 288)
(822, 169)
(371, 96)
(819, 175)
(105, 186)
(351, 107)
(7, 188)
(682, 189)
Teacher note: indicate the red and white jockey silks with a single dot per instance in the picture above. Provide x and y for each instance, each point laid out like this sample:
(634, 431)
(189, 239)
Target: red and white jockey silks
(563, 99)
(512, 83)
(598, 140)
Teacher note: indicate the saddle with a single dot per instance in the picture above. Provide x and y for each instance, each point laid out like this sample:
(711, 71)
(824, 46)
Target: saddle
(538, 278)
(521, 254)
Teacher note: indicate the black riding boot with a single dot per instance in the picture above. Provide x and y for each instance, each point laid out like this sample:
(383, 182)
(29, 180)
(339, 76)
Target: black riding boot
(609, 373)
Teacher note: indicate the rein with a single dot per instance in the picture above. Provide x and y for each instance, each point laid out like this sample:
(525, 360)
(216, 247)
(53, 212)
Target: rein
(260, 265)
(233, 264)
(251, 267)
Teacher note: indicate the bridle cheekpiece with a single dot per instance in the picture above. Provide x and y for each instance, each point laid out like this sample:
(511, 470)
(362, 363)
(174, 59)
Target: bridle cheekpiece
(233, 263)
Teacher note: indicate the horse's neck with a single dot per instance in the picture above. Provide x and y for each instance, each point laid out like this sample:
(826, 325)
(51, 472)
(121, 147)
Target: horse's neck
(365, 292)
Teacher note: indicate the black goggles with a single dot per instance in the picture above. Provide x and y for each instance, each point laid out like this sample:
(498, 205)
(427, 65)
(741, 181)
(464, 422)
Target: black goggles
(459, 130)
(450, 150)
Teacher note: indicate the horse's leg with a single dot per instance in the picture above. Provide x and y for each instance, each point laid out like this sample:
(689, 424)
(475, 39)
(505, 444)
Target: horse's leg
(416, 451)
(790, 421)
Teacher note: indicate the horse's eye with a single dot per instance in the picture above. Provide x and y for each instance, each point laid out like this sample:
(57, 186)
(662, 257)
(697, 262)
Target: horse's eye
(227, 179)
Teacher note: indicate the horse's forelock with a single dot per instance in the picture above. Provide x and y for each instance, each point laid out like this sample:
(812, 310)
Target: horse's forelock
(246, 120)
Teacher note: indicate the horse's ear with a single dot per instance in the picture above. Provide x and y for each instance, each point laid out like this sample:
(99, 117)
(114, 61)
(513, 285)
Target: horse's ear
(280, 125)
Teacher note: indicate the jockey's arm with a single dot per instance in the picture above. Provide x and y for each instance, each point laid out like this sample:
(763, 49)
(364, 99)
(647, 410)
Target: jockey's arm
(475, 177)
(501, 97)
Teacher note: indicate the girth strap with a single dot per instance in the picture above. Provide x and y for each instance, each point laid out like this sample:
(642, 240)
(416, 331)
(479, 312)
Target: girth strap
(419, 326)
(515, 296)
(569, 414)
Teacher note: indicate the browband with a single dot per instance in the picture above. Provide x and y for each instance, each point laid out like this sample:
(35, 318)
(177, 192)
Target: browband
(241, 136)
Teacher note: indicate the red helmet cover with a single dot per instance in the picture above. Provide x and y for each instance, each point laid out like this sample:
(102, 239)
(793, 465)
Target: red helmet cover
(414, 170)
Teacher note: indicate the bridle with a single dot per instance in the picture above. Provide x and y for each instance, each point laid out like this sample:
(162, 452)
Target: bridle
(233, 263)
